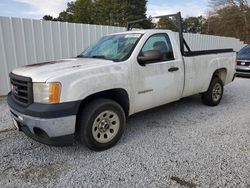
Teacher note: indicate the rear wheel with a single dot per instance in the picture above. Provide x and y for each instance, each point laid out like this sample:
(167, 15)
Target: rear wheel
(214, 93)
(101, 124)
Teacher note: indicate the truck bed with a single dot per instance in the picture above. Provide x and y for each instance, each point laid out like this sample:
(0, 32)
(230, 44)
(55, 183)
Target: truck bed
(197, 80)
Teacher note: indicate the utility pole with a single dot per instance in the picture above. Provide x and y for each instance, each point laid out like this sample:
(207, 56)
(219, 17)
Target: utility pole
(246, 26)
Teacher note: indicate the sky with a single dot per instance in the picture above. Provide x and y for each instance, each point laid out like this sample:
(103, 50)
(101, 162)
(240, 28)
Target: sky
(36, 9)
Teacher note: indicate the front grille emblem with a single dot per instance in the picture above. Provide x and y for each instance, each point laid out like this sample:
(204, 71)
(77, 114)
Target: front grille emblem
(243, 63)
(15, 89)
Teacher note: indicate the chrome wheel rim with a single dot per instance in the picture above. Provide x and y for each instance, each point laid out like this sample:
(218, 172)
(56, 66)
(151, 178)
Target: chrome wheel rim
(217, 92)
(105, 126)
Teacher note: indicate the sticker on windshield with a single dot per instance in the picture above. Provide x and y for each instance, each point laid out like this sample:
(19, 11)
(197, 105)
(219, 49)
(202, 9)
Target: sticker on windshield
(133, 35)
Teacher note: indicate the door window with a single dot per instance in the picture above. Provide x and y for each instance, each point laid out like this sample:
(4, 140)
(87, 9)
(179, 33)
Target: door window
(161, 43)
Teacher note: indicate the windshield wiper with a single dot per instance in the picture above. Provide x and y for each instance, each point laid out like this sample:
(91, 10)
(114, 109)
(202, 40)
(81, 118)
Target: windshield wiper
(101, 57)
(81, 56)
(98, 57)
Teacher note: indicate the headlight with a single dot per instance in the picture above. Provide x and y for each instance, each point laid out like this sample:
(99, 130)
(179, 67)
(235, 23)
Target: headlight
(48, 93)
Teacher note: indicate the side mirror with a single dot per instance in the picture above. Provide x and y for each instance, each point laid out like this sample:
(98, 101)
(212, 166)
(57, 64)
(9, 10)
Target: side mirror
(149, 57)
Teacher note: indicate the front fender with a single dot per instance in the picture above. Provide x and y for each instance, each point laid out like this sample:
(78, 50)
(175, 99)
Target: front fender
(82, 83)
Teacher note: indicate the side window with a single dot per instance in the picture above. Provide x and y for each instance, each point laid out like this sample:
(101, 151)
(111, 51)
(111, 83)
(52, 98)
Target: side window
(160, 42)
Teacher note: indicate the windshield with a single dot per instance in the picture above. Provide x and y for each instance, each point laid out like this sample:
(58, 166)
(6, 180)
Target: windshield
(113, 47)
(244, 52)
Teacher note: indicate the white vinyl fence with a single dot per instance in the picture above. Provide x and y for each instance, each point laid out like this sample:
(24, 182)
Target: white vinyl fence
(26, 41)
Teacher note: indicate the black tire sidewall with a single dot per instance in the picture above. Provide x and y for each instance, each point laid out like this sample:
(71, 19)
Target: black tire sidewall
(207, 97)
(88, 117)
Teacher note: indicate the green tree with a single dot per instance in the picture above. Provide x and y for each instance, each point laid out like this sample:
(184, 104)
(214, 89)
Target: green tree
(148, 24)
(195, 25)
(137, 10)
(67, 15)
(119, 12)
(167, 23)
(82, 11)
(106, 12)
(48, 18)
(110, 12)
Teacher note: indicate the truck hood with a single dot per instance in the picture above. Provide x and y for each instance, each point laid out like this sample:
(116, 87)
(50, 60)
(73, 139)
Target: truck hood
(41, 72)
(243, 57)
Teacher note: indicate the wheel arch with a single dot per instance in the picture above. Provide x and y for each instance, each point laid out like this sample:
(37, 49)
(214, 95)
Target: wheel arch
(221, 73)
(119, 95)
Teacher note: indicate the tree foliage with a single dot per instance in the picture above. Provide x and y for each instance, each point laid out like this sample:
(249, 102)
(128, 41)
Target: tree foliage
(221, 3)
(167, 23)
(231, 19)
(190, 24)
(104, 12)
(48, 17)
(195, 25)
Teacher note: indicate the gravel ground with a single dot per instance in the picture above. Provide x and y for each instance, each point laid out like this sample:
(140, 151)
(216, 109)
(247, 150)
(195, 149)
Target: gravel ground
(183, 144)
(5, 121)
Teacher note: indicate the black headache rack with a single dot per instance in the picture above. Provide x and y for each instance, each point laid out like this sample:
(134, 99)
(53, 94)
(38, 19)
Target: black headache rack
(183, 42)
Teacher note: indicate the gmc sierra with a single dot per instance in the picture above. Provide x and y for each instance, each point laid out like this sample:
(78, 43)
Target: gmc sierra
(89, 97)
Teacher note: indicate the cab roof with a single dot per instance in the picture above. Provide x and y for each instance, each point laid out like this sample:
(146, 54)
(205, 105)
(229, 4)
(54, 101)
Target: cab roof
(144, 31)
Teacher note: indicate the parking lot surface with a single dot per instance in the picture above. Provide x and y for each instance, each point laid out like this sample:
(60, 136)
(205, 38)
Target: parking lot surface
(182, 144)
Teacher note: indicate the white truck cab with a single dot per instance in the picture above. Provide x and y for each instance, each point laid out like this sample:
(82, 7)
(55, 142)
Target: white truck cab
(89, 97)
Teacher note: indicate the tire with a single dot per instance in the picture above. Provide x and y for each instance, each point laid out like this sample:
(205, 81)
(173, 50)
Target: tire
(101, 124)
(214, 93)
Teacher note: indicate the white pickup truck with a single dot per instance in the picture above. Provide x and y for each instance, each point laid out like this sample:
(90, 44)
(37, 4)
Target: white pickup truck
(89, 97)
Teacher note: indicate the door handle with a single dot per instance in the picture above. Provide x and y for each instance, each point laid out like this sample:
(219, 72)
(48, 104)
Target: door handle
(173, 69)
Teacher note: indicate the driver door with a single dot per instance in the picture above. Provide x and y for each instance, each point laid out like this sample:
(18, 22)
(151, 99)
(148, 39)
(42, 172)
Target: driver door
(161, 81)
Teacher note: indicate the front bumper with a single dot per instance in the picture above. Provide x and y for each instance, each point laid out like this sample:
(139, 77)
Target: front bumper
(53, 129)
(243, 70)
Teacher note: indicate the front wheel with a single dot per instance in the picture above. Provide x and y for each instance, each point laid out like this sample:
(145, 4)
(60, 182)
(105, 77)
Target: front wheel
(214, 93)
(101, 124)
